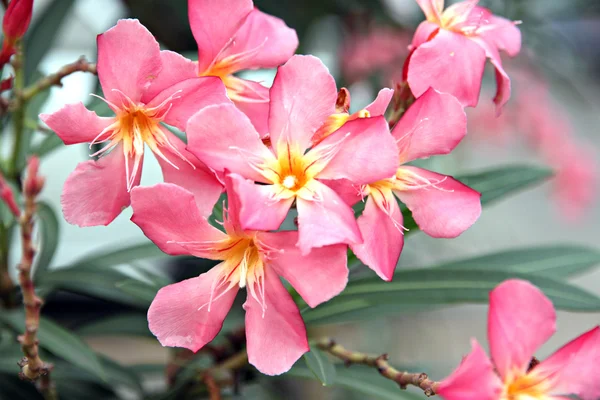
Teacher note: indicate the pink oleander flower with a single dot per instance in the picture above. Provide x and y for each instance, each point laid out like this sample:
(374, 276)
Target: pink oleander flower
(233, 36)
(451, 47)
(441, 206)
(142, 85)
(14, 25)
(303, 96)
(520, 320)
(190, 313)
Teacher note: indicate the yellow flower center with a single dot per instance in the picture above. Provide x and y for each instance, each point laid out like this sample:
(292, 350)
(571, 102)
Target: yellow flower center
(529, 386)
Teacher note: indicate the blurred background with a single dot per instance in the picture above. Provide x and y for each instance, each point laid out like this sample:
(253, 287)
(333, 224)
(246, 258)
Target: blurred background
(551, 120)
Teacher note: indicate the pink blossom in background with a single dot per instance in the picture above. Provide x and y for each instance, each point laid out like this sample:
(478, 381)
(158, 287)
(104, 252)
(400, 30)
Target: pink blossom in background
(302, 97)
(450, 49)
(233, 36)
(442, 206)
(190, 313)
(143, 86)
(521, 319)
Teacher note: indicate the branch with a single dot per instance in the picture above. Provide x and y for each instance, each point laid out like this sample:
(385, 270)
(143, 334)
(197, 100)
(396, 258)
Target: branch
(420, 380)
(81, 65)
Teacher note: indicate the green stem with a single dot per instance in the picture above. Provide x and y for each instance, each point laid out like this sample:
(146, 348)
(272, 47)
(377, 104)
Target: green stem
(18, 116)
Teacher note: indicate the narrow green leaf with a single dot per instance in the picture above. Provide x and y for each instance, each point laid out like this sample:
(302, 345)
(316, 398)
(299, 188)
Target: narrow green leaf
(125, 324)
(557, 261)
(138, 289)
(49, 232)
(320, 366)
(417, 288)
(42, 33)
(110, 257)
(50, 143)
(59, 341)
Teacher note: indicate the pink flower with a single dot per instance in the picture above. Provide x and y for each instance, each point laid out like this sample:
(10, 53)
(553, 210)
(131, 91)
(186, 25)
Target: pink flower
(233, 36)
(442, 206)
(451, 47)
(303, 96)
(520, 320)
(143, 87)
(190, 313)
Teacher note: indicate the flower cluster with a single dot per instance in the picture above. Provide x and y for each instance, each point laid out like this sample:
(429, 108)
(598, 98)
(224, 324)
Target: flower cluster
(292, 146)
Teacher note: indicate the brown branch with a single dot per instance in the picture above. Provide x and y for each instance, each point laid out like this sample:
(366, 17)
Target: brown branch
(32, 366)
(213, 379)
(403, 379)
(81, 65)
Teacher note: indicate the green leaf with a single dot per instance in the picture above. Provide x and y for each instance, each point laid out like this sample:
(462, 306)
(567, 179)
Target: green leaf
(557, 261)
(47, 145)
(320, 366)
(125, 324)
(49, 232)
(139, 289)
(59, 342)
(109, 257)
(42, 33)
(418, 288)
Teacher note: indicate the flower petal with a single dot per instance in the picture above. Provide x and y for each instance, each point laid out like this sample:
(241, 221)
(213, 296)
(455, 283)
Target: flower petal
(253, 99)
(176, 68)
(442, 206)
(520, 320)
(574, 367)
(348, 191)
(259, 209)
(433, 125)
(128, 60)
(473, 379)
(275, 336)
(96, 192)
(222, 137)
(303, 95)
(214, 24)
(318, 276)
(74, 123)
(198, 179)
(180, 316)
(504, 36)
(503, 89)
(367, 152)
(383, 238)
(425, 31)
(450, 63)
(326, 220)
(381, 102)
(188, 97)
(432, 8)
(263, 41)
(167, 222)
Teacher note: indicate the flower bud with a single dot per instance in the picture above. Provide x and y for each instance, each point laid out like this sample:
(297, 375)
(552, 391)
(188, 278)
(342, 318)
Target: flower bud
(8, 197)
(16, 19)
(33, 183)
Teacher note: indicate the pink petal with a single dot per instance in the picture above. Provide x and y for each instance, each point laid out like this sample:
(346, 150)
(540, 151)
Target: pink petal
(318, 276)
(473, 379)
(503, 90)
(450, 63)
(253, 99)
(520, 320)
(574, 368)
(222, 137)
(325, 221)
(504, 36)
(180, 315)
(275, 335)
(198, 179)
(128, 60)
(263, 41)
(431, 8)
(383, 239)
(303, 95)
(74, 123)
(176, 68)
(190, 96)
(167, 222)
(214, 23)
(444, 208)
(259, 210)
(424, 33)
(434, 124)
(348, 191)
(381, 102)
(96, 192)
(367, 152)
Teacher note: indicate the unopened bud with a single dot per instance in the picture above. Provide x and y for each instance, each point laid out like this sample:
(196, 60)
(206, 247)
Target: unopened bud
(7, 83)
(33, 183)
(16, 19)
(8, 197)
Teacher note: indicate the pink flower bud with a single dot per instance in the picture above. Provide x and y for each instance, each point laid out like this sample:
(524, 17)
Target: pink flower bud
(6, 84)
(8, 197)
(33, 183)
(17, 18)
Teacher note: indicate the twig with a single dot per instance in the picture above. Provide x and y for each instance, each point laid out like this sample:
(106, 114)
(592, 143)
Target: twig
(214, 391)
(230, 365)
(403, 379)
(81, 65)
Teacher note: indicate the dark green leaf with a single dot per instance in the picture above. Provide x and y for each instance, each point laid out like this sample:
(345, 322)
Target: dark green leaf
(59, 342)
(49, 232)
(139, 289)
(13, 388)
(551, 261)
(125, 255)
(125, 324)
(42, 33)
(320, 366)
(50, 143)
(417, 288)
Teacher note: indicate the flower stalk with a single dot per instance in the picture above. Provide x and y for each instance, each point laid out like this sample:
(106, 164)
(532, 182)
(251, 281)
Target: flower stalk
(403, 379)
